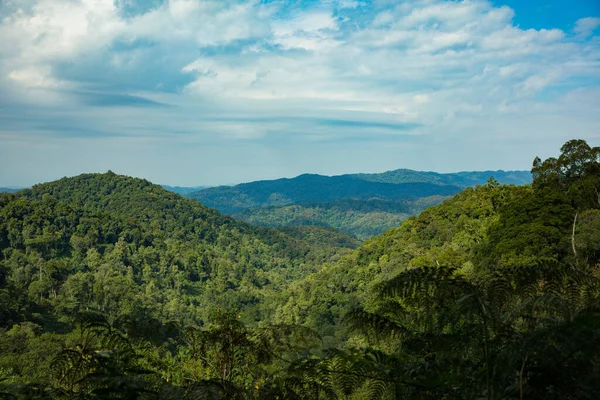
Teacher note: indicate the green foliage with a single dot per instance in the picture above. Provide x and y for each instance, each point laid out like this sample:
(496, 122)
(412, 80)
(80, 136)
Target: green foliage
(361, 218)
(522, 333)
(316, 235)
(540, 225)
(112, 288)
(444, 235)
(133, 252)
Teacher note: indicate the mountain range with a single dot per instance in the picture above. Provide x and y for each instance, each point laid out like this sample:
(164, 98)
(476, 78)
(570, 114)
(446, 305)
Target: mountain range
(363, 205)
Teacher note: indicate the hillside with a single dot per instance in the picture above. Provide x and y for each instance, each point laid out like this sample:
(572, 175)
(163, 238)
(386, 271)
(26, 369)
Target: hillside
(492, 294)
(128, 237)
(361, 218)
(475, 232)
(443, 234)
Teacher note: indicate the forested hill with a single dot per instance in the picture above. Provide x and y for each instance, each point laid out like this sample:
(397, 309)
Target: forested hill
(493, 294)
(476, 232)
(443, 235)
(123, 245)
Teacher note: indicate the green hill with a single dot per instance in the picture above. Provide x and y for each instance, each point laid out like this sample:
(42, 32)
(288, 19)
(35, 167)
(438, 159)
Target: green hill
(127, 237)
(443, 234)
(475, 232)
(492, 294)
(105, 254)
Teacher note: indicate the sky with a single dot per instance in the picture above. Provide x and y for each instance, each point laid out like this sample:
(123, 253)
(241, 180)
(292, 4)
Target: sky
(200, 92)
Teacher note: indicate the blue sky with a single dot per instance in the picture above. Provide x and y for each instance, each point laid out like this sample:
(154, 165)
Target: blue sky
(200, 92)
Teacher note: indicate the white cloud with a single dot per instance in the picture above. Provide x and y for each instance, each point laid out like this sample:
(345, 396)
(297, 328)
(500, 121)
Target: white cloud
(35, 77)
(449, 68)
(584, 27)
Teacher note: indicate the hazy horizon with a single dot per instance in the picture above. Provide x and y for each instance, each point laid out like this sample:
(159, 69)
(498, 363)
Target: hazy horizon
(201, 186)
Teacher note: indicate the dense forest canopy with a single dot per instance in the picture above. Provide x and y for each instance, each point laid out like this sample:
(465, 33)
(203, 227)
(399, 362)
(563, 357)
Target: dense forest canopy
(362, 218)
(111, 287)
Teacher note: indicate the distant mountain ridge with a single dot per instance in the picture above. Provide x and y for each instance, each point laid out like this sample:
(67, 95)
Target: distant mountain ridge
(312, 188)
(363, 205)
(183, 190)
(9, 189)
(463, 179)
(394, 185)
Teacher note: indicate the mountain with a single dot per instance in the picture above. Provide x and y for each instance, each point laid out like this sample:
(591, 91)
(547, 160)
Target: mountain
(183, 190)
(484, 234)
(363, 205)
(312, 188)
(138, 244)
(508, 274)
(392, 185)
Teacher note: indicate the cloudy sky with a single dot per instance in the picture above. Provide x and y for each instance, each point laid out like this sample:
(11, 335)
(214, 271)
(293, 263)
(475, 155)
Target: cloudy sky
(191, 92)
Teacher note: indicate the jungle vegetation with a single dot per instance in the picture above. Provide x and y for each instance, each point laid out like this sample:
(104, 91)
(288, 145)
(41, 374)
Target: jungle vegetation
(114, 288)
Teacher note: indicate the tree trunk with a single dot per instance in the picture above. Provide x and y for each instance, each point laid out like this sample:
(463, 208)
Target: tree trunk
(521, 378)
(573, 237)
